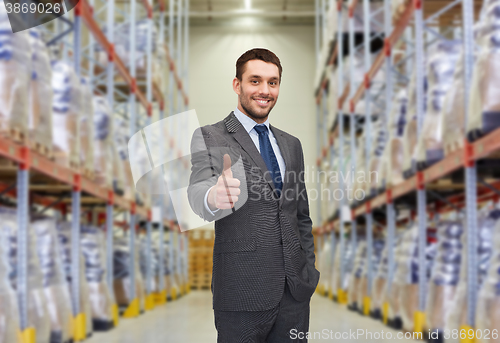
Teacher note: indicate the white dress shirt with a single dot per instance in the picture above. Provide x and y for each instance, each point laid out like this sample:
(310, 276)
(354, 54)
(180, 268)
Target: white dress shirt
(248, 123)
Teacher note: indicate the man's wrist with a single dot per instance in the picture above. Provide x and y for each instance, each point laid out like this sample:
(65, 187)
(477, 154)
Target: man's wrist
(207, 203)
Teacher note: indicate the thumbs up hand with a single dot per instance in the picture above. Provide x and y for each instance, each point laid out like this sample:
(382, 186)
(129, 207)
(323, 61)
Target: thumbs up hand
(225, 193)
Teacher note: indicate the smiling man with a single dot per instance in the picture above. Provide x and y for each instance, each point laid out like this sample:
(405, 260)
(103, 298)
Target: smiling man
(263, 273)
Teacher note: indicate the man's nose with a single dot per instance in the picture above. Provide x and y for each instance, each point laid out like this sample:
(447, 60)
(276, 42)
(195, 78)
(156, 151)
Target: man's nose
(264, 89)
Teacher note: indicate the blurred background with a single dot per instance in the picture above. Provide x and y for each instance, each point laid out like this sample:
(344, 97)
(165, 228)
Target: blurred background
(396, 105)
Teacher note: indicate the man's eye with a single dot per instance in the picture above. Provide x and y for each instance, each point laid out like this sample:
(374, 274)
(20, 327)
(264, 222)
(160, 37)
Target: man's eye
(273, 83)
(254, 81)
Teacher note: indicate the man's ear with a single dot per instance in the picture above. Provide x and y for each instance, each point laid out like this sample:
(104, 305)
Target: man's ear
(236, 85)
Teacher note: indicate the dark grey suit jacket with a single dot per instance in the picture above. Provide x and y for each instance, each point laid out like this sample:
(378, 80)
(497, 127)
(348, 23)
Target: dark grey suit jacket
(266, 240)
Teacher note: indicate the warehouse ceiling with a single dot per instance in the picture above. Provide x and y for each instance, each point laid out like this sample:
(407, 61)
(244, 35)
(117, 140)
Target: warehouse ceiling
(245, 12)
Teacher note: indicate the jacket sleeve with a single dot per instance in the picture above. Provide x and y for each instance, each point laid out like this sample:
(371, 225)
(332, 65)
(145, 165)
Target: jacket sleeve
(206, 166)
(303, 218)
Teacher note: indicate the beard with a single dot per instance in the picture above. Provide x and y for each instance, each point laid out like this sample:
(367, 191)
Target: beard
(247, 105)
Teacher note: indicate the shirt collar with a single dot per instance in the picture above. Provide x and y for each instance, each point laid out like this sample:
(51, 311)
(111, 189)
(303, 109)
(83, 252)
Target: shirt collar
(247, 122)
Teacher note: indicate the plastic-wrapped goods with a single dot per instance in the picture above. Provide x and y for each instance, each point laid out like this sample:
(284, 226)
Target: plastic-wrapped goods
(87, 126)
(67, 107)
(355, 277)
(452, 119)
(488, 217)
(359, 76)
(103, 145)
(162, 77)
(122, 45)
(121, 138)
(359, 184)
(393, 299)
(406, 278)
(122, 282)
(94, 253)
(9, 311)
(410, 138)
(340, 173)
(488, 306)
(348, 261)
(445, 275)
(54, 281)
(38, 315)
(64, 233)
(391, 171)
(166, 267)
(143, 262)
(377, 248)
(40, 93)
(379, 139)
(358, 63)
(407, 273)
(155, 258)
(381, 283)
(118, 171)
(325, 261)
(15, 76)
(440, 68)
(484, 105)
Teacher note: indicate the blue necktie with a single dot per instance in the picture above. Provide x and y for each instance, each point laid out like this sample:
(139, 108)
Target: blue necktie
(267, 153)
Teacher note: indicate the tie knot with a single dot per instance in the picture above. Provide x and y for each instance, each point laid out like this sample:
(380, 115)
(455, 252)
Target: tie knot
(261, 129)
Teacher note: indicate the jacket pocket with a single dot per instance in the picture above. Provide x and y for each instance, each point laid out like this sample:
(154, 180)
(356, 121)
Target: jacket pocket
(234, 246)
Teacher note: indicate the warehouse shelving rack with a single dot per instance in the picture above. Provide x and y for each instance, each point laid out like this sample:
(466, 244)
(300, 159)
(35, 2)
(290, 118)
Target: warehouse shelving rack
(411, 17)
(82, 191)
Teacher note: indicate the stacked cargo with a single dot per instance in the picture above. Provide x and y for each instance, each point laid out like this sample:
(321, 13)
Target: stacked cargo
(38, 315)
(343, 262)
(487, 318)
(9, 312)
(201, 244)
(94, 253)
(488, 218)
(65, 239)
(123, 283)
(445, 275)
(40, 95)
(103, 144)
(364, 296)
(54, 281)
(484, 105)
(440, 69)
(67, 108)
(15, 77)
(355, 302)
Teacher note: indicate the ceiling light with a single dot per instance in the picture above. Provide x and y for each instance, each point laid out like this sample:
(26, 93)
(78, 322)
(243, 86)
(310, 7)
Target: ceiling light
(248, 4)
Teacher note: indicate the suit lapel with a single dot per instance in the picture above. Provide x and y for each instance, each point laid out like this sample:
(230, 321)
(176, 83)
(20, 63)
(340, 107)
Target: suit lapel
(239, 133)
(285, 152)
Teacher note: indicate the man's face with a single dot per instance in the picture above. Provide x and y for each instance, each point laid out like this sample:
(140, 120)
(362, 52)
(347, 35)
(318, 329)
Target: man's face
(258, 89)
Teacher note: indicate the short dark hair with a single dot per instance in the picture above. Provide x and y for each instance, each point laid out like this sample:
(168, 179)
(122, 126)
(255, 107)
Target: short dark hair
(256, 54)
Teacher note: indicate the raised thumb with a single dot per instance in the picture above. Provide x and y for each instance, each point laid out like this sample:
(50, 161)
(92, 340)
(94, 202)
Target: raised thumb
(227, 166)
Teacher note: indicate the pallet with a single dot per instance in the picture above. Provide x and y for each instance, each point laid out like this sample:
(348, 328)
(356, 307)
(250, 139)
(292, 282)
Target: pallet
(42, 149)
(200, 287)
(89, 174)
(451, 17)
(65, 160)
(451, 147)
(17, 135)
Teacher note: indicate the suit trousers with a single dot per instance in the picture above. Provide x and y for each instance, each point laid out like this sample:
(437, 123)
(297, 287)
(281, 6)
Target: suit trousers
(277, 325)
